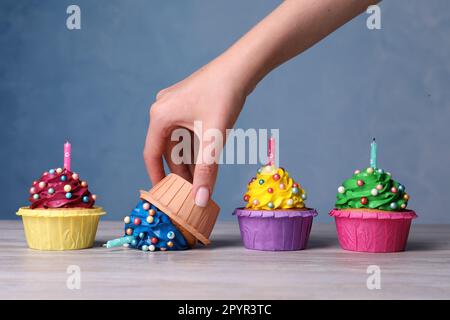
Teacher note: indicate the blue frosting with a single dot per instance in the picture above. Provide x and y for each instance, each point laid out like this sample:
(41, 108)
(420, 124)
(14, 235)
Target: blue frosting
(167, 235)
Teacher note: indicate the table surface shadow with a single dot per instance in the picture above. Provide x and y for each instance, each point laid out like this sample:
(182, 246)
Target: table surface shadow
(225, 269)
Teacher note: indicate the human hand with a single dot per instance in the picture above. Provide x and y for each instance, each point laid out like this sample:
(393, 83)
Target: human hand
(213, 95)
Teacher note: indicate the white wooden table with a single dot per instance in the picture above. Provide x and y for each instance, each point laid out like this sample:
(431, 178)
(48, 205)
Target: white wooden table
(226, 270)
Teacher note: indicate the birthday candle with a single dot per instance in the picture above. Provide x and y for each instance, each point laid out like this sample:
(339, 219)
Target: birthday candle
(67, 155)
(373, 154)
(271, 148)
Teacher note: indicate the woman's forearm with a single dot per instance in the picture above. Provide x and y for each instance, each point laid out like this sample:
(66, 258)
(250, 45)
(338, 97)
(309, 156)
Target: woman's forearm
(290, 29)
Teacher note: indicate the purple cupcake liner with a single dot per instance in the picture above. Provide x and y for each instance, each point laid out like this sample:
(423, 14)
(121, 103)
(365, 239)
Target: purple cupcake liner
(278, 230)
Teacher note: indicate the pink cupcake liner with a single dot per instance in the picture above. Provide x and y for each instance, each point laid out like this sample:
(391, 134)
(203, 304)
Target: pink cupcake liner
(371, 230)
(277, 230)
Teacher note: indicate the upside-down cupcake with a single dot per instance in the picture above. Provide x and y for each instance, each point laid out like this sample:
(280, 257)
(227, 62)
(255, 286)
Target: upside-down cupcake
(275, 217)
(371, 213)
(62, 215)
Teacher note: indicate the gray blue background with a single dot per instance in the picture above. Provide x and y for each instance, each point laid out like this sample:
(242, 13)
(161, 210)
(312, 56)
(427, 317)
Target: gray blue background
(94, 86)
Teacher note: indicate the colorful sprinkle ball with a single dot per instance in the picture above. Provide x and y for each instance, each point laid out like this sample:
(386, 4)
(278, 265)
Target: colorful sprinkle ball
(374, 192)
(149, 219)
(246, 198)
(406, 196)
(270, 205)
(84, 184)
(379, 187)
(94, 197)
(363, 200)
(401, 187)
(68, 195)
(35, 196)
(137, 221)
(259, 170)
(141, 235)
(403, 206)
(129, 231)
(294, 190)
(281, 186)
(151, 212)
(369, 170)
(393, 205)
(42, 184)
(163, 249)
(255, 202)
(270, 190)
(85, 199)
(394, 190)
(154, 240)
(360, 183)
(133, 242)
(146, 206)
(290, 202)
(32, 190)
(357, 172)
(170, 235)
(67, 187)
(75, 176)
(380, 171)
(276, 177)
(51, 191)
(261, 181)
(304, 196)
(63, 178)
(151, 247)
(59, 170)
(170, 244)
(45, 173)
(51, 171)
(144, 248)
(341, 189)
(126, 219)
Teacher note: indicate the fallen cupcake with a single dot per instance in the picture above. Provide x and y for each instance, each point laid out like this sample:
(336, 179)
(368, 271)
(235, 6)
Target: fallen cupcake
(371, 211)
(62, 215)
(167, 219)
(275, 217)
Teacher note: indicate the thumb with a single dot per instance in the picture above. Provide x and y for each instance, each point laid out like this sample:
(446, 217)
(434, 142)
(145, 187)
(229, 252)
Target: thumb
(204, 179)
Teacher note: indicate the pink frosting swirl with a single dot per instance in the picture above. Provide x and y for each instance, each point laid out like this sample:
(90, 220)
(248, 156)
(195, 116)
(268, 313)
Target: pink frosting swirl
(52, 191)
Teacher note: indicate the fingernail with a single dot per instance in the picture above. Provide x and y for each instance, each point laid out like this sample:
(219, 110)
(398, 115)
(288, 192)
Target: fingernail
(202, 197)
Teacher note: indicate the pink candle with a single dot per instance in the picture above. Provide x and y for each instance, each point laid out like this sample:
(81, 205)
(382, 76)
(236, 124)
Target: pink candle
(271, 148)
(67, 155)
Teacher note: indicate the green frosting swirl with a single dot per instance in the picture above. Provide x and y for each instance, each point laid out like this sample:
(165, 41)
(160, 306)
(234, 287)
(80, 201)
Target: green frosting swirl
(376, 190)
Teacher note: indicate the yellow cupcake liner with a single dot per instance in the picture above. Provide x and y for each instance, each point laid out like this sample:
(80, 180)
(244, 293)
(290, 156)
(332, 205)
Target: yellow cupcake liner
(60, 229)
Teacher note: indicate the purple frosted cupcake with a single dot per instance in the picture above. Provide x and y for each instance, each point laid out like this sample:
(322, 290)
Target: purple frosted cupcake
(275, 217)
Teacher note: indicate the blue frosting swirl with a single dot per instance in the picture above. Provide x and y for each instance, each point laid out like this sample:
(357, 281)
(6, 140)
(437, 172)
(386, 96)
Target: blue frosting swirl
(161, 228)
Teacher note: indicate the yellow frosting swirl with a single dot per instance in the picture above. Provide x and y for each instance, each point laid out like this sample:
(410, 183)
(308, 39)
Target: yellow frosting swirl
(272, 188)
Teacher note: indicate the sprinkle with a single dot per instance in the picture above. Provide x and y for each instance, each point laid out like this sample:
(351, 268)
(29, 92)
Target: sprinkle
(363, 200)
(84, 184)
(393, 205)
(290, 202)
(369, 170)
(68, 195)
(51, 191)
(137, 221)
(357, 172)
(170, 244)
(141, 235)
(75, 176)
(42, 184)
(146, 206)
(85, 199)
(126, 219)
(170, 235)
(67, 187)
(304, 196)
(270, 190)
(406, 196)
(261, 181)
(51, 171)
(281, 186)
(162, 249)
(394, 190)
(58, 170)
(151, 247)
(341, 189)
(32, 190)
(35, 196)
(154, 240)
(276, 177)
(255, 202)
(374, 192)
(94, 197)
(129, 231)
(144, 248)
(403, 206)
(270, 205)
(151, 212)
(150, 219)
(63, 178)
(294, 190)
(379, 187)
(360, 183)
